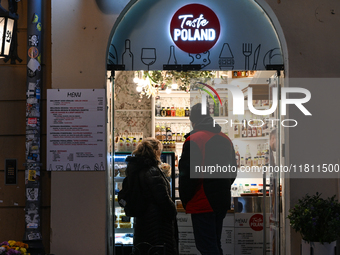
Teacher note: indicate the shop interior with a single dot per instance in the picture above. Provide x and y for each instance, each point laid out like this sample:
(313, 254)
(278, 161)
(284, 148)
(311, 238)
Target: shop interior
(157, 104)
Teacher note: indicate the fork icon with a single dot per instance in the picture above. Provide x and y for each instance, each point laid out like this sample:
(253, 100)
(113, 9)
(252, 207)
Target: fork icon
(247, 50)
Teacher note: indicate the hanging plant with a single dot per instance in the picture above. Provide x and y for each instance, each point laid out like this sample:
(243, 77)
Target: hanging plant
(164, 79)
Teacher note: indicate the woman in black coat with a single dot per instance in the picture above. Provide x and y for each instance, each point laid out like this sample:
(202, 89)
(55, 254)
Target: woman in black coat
(157, 226)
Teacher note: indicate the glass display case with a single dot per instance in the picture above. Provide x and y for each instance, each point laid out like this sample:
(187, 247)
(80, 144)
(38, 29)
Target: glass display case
(123, 225)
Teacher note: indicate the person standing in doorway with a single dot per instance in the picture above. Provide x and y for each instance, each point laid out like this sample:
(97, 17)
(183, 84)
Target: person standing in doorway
(158, 225)
(206, 196)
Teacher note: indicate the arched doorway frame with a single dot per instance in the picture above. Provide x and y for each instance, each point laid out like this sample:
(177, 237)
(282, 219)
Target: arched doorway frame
(279, 31)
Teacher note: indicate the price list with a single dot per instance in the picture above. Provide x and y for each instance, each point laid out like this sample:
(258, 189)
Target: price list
(76, 130)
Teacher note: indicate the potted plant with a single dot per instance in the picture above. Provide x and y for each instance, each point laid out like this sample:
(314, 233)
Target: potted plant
(318, 221)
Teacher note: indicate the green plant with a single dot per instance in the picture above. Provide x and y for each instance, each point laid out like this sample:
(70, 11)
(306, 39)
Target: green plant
(164, 79)
(317, 219)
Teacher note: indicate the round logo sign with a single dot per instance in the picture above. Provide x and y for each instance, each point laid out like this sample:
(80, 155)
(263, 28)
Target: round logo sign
(195, 28)
(256, 222)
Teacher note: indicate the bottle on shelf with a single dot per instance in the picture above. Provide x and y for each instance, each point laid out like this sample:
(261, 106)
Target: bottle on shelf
(242, 162)
(244, 128)
(163, 132)
(259, 155)
(240, 189)
(178, 137)
(211, 106)
(163, 112)
(221, 108)
(127, 144)
(260, 188)
(250, 130)
(168, 132)
(173, 137)
(263, 154)
(254, 128)
(173, 111)
(234, 190)
(265, 126)
(237, 155)
(267, 133)
(226, 106)
(168, 112)
(178, 112)
(236, 128)
(158, 134)
(254, 188)
(182, 112)
(173, 146)
(216, 107)
(165, 146)
(134, 144)
(158, 107)
(248, 157)
(246, 188)
(259, 127)
(183, 138)
(140, 140)
(187, 112)
(121, 144)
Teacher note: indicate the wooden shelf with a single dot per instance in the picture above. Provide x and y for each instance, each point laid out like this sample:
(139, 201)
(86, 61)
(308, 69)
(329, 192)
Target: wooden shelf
(173, 119)
(251, 138)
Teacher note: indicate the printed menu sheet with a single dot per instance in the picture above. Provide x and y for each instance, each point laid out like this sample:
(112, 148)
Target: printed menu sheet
(76, 130)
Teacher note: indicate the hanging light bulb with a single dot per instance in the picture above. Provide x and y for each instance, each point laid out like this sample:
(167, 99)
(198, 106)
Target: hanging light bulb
(174, 85)
(136, 80)
(139, 89)
(144, 83)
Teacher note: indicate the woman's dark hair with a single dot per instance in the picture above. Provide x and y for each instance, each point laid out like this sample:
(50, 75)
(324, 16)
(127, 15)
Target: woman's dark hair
(149, 148)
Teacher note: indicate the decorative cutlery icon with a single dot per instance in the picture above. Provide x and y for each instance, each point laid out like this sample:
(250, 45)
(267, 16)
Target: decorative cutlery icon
(247, 50)
(256, 56)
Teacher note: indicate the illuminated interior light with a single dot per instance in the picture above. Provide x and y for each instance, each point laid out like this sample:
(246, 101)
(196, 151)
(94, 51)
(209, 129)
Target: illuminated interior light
(174, 86)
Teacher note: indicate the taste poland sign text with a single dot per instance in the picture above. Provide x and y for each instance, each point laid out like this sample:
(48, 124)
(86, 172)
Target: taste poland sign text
(195, 28)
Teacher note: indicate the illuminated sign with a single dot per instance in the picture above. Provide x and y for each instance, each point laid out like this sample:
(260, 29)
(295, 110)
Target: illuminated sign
(195, 28)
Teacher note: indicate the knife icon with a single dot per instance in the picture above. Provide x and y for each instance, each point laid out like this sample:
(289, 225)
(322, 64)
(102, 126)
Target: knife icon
(256, 56)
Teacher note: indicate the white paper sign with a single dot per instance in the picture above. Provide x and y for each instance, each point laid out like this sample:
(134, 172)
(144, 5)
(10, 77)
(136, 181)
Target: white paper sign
(249, 233)
(76, 130)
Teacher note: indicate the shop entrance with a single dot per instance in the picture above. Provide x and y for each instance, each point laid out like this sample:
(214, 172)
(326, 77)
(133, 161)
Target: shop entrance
(138, 93)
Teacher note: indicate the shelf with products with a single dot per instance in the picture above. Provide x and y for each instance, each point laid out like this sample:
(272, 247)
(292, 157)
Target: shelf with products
(123, 230)
(172, 119)
(174, 93)
(191, 93)
(250, 138)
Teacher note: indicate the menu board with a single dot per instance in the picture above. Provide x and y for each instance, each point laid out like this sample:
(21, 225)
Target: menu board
(76, 130)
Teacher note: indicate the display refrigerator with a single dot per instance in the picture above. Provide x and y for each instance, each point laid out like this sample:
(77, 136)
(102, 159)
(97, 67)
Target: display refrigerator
(123, 225)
